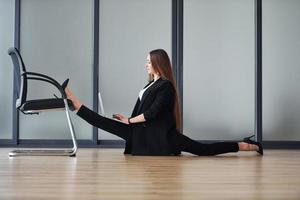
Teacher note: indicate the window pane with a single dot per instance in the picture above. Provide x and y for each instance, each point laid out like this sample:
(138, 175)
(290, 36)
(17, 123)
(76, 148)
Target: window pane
(6, 68)
(128, 31)
(56, 39)
(218, 76)
(281, 72)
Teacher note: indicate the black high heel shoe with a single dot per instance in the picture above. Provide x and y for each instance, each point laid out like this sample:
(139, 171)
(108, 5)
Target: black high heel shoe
(249, 141)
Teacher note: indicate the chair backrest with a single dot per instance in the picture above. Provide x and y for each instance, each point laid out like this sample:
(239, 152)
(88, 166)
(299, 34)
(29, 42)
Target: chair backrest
(21, 80)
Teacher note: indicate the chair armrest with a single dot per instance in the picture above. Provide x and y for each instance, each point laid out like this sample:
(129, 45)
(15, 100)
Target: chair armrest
(45, 78)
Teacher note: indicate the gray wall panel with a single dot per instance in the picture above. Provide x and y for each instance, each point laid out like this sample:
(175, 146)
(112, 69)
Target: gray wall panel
(281, 70)
(128, 31)
(56, 39)
(6, 68)
(218, 76)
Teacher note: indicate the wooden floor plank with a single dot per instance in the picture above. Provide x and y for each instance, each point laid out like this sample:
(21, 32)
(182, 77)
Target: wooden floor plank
(108, 174)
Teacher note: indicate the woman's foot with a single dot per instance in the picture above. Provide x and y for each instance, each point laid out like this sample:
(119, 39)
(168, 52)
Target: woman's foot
(243, 146)
(257, 145)
(75, 101)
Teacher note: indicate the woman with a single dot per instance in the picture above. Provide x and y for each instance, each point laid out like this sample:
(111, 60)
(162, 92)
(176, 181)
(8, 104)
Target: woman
(153, 128)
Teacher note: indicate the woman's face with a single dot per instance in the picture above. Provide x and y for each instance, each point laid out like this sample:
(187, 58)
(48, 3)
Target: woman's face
(149, 67)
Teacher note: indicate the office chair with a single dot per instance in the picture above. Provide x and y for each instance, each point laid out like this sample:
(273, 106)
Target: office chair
(38, 105)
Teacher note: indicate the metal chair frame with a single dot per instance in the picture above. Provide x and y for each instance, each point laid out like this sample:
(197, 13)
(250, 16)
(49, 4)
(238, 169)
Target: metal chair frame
(22, 76)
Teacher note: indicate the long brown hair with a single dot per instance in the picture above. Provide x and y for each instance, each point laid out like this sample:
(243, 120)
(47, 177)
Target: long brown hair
(161, 63)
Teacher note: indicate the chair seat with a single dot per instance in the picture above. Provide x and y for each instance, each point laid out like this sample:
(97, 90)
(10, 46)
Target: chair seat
(45, 104)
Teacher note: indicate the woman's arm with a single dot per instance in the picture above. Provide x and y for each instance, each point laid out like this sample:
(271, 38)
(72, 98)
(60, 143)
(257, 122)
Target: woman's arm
(163, 98)
(136, 119)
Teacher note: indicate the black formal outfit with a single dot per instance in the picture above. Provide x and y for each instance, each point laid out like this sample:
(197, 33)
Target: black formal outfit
(158, 134)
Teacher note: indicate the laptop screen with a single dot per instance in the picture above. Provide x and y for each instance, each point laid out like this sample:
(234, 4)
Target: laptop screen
(101, 104)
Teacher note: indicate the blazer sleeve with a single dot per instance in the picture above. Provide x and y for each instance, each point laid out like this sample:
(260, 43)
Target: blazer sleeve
(164, 97)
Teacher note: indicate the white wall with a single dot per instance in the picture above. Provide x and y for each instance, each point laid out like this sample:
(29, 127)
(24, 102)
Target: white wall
(218, 77)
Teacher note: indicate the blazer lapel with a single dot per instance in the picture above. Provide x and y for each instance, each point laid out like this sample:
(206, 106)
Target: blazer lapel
(146, 93)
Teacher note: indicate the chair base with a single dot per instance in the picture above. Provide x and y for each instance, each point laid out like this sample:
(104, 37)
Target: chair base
(51, 152)
(43, 152)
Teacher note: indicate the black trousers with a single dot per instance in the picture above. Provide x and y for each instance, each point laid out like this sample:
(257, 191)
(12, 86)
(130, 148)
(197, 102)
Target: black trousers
(178, 141)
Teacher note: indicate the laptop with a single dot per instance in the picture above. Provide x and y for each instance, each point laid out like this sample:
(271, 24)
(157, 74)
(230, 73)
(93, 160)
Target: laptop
(102, 112)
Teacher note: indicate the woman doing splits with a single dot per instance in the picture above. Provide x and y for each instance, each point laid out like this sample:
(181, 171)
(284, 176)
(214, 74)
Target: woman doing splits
(153, 128)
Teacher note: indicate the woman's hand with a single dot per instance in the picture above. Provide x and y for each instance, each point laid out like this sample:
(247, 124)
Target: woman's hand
(75, 101)
(121, 118)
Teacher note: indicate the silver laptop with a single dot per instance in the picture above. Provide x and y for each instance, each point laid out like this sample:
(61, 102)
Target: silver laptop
(102, 112)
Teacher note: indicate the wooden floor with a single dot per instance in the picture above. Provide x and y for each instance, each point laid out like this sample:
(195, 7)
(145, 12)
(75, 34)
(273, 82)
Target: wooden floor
(108, 174)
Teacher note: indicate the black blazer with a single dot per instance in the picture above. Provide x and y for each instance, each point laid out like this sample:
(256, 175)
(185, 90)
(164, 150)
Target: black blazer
(152, 136)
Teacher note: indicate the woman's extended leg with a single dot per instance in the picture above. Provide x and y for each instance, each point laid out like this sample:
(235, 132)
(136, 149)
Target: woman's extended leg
(180, 142)
(112, 126)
